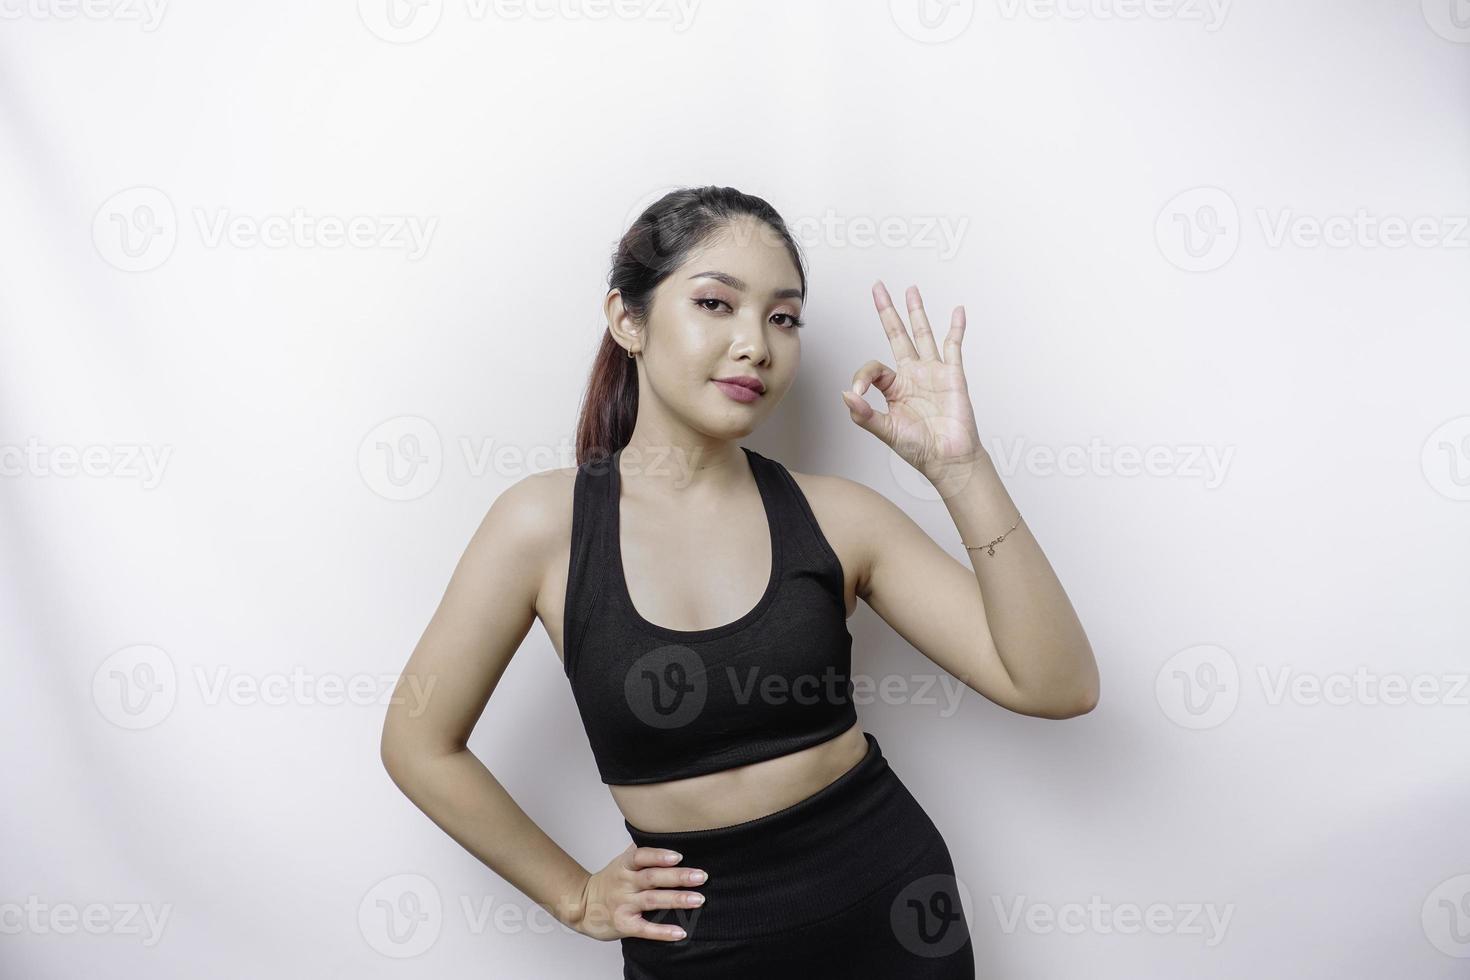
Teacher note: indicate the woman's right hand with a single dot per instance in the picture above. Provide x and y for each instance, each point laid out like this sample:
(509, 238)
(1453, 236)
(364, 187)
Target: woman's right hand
(641, 878)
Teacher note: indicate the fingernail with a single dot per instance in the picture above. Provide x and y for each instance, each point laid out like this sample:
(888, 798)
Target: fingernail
(675, 858)
(679, 933)
(697, 876)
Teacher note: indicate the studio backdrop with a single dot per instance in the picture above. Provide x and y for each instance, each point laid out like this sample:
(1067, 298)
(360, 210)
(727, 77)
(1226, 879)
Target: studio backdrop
(290, 293)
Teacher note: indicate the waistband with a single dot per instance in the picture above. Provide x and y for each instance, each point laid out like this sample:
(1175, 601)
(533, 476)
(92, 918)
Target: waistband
(801, 863)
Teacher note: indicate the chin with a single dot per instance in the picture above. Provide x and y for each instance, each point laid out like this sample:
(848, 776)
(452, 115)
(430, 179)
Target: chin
(729, 426)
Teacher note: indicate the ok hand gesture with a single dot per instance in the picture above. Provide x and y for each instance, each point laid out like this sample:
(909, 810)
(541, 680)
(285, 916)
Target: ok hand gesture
(929, 421)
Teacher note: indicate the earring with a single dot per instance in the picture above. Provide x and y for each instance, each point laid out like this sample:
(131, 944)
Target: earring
(630, 353)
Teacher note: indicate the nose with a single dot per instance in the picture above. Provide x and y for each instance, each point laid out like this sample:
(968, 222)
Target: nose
(749, 340)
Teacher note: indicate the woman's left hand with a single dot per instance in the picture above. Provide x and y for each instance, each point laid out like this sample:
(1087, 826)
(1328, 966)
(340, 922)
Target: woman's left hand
(929, 421)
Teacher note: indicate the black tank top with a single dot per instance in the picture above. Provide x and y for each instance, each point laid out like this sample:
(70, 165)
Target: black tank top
(661, 703)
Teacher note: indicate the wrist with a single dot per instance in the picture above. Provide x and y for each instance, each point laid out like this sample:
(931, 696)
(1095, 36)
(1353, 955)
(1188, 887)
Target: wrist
(949, 476)
(577, 907)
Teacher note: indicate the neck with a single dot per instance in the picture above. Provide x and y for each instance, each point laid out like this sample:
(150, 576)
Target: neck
(715, 465)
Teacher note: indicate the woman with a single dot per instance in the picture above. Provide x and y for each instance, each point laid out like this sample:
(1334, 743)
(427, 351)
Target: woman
(697, 593)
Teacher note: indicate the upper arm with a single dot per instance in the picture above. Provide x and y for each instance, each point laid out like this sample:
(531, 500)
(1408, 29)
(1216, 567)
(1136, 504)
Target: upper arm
(929, 598)
(485, 613)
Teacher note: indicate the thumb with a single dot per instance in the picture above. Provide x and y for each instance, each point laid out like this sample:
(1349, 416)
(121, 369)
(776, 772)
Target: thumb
(864, 414)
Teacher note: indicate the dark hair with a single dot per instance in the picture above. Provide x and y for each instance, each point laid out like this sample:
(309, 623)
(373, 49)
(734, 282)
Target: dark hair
(658, 242)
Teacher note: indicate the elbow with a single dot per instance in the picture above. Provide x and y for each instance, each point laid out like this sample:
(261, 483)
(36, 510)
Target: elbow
(1084, 703)
(406, 755)
(1079, 697)
(397, 753)
(1073, 706)
(391, 755)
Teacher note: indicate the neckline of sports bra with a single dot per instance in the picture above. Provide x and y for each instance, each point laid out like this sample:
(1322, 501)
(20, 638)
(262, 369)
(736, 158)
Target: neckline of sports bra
(620, 575)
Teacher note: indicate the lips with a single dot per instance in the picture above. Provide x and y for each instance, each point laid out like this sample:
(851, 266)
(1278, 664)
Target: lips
(754, 384)
(743, 390)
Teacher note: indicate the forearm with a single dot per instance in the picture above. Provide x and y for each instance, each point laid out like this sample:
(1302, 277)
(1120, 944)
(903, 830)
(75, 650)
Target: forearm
(463, 798)
(1036, 631)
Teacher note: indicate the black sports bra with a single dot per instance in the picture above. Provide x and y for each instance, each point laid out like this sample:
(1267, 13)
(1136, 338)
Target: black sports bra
(661, 703)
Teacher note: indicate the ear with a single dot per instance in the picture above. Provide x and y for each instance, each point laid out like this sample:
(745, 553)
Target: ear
(620, 323)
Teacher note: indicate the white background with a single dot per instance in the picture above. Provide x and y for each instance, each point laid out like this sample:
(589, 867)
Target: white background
(283, 392)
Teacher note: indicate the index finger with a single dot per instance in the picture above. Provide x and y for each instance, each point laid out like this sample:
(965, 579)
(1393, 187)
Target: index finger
(652, 857)
(898, 335)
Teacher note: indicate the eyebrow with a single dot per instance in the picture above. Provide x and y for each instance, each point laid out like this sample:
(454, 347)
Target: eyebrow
(739, 284)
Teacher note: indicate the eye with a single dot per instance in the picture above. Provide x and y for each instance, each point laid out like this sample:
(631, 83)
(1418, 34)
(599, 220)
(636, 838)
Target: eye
(792, 322)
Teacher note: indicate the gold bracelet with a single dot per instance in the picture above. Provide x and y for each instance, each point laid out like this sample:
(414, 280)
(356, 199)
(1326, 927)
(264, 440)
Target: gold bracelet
(990, 548)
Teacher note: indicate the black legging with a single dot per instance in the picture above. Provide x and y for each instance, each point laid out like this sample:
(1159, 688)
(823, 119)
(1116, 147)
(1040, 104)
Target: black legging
(852, 883)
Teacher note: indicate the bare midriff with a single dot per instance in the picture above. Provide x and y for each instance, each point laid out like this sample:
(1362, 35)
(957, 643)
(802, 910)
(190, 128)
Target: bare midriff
(719, 799)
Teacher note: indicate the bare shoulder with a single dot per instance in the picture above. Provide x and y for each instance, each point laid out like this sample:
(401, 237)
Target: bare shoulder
(852, 516)
(531, 520)
(538, 504)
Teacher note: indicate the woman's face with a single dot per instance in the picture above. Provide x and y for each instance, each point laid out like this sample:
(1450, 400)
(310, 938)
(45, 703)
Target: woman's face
(728, 312)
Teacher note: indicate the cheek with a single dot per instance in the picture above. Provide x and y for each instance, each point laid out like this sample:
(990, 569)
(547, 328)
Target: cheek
(693, 340)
